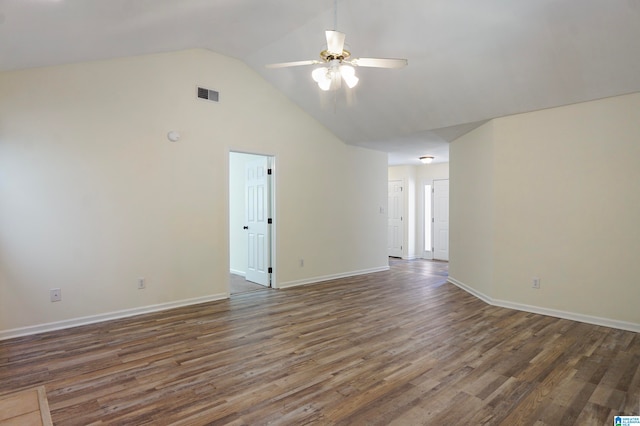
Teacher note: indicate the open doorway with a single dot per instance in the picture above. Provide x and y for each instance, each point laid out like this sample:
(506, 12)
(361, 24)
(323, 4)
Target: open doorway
(251, 222)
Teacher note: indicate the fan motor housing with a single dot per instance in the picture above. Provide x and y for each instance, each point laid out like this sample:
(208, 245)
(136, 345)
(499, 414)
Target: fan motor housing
(328, 56)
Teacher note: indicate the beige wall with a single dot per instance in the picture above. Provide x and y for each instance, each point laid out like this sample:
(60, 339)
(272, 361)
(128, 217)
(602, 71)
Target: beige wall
(93, 195)
(562, 204)
(431, 172)
(471, 209)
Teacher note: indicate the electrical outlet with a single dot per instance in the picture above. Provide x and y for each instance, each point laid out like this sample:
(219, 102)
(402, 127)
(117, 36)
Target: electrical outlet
(535, 283)
(301, 263)
(141, 283)
(56, 294)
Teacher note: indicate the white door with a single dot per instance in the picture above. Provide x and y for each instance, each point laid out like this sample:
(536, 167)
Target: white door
(395, 234)
(441, 219)
(256, 225)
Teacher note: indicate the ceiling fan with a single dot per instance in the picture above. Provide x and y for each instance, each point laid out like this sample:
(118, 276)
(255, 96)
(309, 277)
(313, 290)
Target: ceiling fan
(338, 65)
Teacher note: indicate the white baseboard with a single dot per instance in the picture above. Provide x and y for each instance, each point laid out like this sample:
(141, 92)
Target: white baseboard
(75, 322)
(471, 290)
(236, 272)
(313, 280)
(589, 319)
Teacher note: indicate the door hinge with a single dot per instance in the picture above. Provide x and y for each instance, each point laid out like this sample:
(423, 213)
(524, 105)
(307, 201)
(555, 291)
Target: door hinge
(269, 221)
(269, 171)
(270, 270)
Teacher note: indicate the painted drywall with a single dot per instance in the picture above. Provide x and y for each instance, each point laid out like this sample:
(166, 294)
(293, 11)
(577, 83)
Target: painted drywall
(431, 172)
(471, 209)
(94, 196)
(333, 218)
(562, 205)
(567, 208)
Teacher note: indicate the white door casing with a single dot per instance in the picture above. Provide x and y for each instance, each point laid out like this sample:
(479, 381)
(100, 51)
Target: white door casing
(257, 191)
(395, 235)
(427, 222)
(441, 219)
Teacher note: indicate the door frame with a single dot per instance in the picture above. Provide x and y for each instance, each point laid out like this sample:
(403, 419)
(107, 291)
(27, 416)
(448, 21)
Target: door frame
(434, 214)
(403, 227)
(272, 197)
(426, 254)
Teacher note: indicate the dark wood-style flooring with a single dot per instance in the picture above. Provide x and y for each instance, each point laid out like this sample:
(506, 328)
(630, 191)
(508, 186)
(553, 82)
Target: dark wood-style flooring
(401, 347)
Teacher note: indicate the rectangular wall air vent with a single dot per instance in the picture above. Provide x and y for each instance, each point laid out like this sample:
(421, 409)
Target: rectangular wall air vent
(208, 94)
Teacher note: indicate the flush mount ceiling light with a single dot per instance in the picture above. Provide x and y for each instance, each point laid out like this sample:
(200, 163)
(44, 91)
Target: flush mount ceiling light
(337, 62)
(426, 160)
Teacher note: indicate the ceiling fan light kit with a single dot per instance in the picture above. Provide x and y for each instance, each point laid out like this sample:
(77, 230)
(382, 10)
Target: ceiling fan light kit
(330, 78)
(338, 66)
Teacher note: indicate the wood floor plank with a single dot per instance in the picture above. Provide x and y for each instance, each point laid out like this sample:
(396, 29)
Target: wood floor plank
(398, 347)
(26, 407)
(18, 404)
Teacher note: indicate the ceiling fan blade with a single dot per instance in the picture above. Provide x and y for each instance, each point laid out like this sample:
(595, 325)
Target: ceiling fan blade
(335, 42)
(293, 64)
(379, 62)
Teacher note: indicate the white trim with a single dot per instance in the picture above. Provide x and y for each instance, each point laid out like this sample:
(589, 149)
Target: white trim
(471, 290)
(272, 161)
(236, 272)
(413, 257)
(404, 215)
(426, 254)
(331, 277)
(75, 322)
(589, 319)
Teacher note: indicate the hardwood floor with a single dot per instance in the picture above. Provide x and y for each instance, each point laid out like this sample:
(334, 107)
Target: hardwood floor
(27, 407)
(401, 347)
(237, 285)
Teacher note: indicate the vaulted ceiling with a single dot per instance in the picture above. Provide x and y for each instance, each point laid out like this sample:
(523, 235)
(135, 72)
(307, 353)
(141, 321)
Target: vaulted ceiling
(469, 60)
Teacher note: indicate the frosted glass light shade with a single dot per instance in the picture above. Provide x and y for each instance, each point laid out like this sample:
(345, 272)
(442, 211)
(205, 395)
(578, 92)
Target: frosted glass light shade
(331, 78)
(322, 76)
(349, 75)
(325, 84)
(319, 74)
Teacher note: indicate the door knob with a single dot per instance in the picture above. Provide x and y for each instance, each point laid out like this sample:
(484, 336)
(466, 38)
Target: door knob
(245, 227)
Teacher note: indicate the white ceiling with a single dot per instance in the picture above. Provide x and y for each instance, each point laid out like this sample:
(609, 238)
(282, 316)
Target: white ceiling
(469, 60)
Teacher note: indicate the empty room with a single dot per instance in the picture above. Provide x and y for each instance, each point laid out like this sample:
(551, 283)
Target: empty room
(319, 212)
